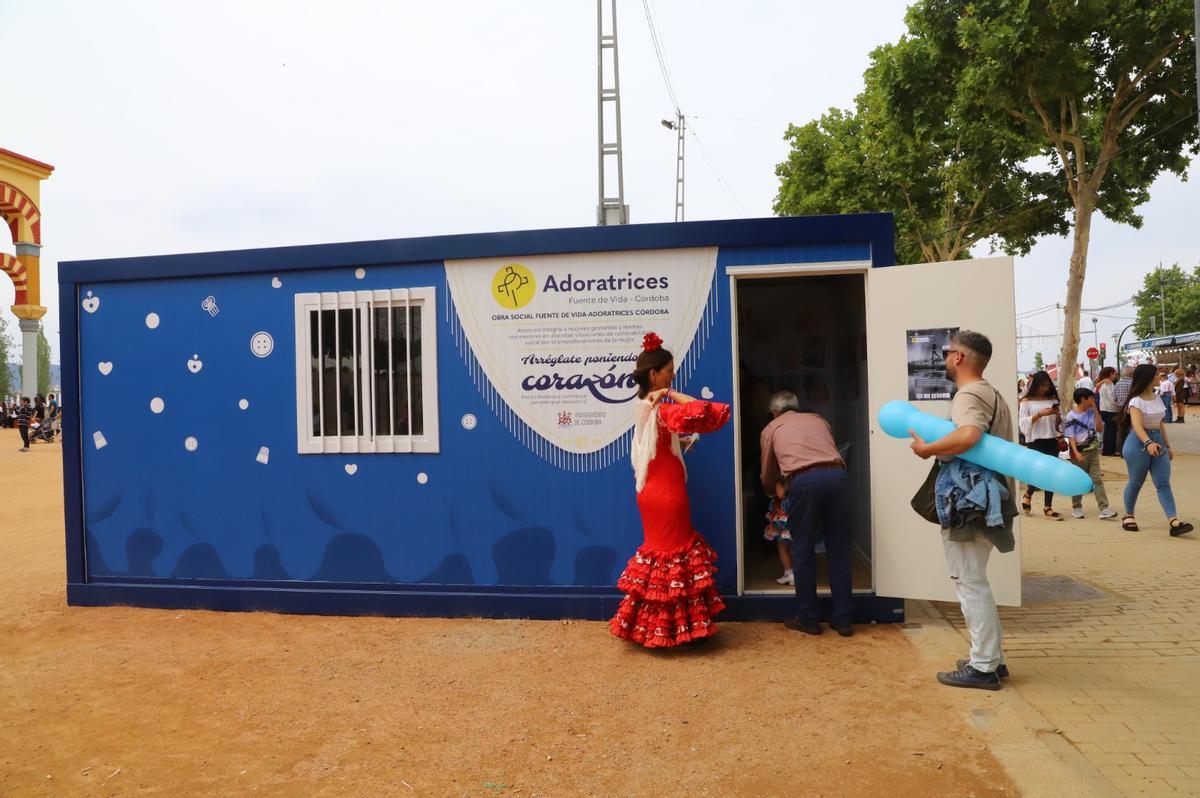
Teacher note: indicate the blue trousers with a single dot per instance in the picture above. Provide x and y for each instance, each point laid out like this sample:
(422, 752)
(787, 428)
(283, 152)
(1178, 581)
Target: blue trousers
(1168, 401)
(819, 500)
(1139, 463)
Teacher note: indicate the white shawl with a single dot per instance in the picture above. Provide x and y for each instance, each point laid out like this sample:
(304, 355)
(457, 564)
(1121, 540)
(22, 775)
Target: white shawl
(645, 442)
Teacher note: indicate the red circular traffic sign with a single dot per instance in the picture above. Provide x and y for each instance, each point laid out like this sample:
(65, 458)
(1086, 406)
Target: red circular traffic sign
(1093, 353)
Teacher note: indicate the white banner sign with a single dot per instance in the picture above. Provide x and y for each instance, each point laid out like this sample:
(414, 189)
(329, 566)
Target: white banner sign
(557, 335)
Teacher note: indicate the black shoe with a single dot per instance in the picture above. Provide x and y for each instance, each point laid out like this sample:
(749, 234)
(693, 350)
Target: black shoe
(808, 627)
(845, 630)
(1182, 528)
(1002, 671)
(967, 676)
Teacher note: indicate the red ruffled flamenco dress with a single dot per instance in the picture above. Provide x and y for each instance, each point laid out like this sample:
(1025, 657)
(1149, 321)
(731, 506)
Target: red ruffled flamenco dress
(670, 593)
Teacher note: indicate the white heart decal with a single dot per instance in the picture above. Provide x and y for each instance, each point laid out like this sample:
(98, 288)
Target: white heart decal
(105, 367)
(706, 392)
(351, 468)
(91, 303)
(194, 365)
(276, 282)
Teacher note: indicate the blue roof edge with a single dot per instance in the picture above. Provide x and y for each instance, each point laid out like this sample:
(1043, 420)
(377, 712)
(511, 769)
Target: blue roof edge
(877, 228)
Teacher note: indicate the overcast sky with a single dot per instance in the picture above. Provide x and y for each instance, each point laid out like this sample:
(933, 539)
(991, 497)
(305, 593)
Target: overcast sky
(184, 127)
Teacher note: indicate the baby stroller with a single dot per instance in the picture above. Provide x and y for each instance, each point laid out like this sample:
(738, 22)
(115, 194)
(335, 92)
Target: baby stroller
(44, 431)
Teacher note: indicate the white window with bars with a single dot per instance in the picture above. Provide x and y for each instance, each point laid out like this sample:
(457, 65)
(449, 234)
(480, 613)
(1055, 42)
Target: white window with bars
(366, 371)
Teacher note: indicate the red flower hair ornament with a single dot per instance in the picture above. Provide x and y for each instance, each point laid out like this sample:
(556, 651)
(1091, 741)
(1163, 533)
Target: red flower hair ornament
(651, 342)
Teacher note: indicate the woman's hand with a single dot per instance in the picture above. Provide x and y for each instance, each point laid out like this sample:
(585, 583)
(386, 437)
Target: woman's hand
(656, 396)
(1170, 454)
(1153, 449)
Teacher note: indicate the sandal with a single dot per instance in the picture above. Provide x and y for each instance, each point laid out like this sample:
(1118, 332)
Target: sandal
(1052, 514)
(1179, 527)
(1027, 505)
(1128, 524)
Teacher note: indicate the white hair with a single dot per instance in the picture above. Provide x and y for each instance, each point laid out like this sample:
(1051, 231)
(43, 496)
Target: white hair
(782, 401)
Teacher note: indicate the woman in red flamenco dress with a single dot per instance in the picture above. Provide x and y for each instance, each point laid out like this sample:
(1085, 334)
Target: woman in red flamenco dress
(670, 593)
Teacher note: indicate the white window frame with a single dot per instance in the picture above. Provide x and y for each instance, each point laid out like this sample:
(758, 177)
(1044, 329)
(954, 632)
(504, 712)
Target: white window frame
(367, 302)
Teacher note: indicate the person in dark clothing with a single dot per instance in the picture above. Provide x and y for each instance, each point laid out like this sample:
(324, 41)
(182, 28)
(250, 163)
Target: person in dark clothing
(24, 414)
(798, 449)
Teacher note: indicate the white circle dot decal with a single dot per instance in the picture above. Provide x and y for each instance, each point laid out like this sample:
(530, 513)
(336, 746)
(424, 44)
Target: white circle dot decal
(469, 421)
(422, 478)
(360, 272)
(156, 405)
(243, 404)
(190, 443)
(152, 321)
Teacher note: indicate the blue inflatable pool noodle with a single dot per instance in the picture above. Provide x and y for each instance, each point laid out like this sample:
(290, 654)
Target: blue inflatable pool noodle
(1003, 457)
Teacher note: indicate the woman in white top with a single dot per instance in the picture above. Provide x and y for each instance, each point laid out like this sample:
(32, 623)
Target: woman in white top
(1108, 409)
(1166, 395)
(1039, 420)
(1147, 449)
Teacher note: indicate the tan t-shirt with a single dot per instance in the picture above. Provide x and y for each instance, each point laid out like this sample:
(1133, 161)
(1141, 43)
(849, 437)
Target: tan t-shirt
(974, 406)
(980, 405)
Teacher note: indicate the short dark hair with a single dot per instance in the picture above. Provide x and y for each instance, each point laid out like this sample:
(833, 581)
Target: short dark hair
(1082, 393)
(976, 342)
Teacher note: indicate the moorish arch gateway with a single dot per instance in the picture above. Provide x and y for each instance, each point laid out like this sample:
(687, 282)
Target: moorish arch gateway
(20, 181)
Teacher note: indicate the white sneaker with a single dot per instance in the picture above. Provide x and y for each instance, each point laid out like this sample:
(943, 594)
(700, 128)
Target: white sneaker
(1107, 513)
(788, 578)
(1077, 512)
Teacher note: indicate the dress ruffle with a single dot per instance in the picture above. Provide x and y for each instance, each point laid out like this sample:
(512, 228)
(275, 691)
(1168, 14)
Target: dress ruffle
(695, 416)
(671, 597)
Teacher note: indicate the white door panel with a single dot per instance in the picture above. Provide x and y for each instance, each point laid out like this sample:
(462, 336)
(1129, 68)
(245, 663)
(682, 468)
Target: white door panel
(970, 294)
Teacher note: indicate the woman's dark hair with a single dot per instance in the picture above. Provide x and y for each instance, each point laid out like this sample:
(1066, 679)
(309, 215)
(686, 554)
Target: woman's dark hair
(1106, 373)
(1144, 376)
(647, 362)
(1034, 389)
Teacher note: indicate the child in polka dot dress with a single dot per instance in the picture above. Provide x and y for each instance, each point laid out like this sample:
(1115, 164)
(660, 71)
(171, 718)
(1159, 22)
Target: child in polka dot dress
(777, 531)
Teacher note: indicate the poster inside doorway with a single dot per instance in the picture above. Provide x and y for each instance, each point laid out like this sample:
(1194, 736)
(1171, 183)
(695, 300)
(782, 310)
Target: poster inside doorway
(927, 378)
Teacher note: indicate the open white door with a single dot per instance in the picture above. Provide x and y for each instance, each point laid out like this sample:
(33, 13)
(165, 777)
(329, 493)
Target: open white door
(972, 294)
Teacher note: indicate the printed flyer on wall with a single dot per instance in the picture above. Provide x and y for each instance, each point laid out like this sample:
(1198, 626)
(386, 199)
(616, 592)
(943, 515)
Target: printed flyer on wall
(557, 335)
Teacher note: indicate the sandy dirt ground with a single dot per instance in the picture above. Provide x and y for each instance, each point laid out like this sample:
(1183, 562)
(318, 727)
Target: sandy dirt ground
(123, 701)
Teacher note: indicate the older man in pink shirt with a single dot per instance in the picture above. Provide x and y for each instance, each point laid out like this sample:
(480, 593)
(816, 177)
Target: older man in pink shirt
(798, 450)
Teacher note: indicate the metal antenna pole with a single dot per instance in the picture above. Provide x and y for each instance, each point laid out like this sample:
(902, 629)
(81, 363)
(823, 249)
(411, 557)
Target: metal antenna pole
(680, 129)
(609, 209)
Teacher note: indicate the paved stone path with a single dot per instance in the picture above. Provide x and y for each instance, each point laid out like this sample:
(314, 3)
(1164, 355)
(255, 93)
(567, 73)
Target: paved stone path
(1118, 675)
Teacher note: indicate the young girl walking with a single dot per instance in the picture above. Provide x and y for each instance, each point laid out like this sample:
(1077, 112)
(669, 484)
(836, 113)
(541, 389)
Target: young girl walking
(1147, 449)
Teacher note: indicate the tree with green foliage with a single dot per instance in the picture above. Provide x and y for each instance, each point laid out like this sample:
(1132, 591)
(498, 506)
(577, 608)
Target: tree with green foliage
(1179, 294)
(43, 362)
(1039, 364)
(908, 146)
(6, 386)
(1108, 85)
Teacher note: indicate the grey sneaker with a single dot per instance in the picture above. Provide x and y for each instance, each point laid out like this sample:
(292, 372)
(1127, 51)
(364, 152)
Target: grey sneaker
(1108, 513)
(967, 676)
(1077, 512)
(1002, 671)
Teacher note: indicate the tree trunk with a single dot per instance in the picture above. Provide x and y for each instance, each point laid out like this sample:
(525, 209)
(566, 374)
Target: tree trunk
(1085, 206)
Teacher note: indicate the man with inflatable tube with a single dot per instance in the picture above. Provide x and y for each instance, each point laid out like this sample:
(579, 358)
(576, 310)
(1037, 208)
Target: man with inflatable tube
(977, 408)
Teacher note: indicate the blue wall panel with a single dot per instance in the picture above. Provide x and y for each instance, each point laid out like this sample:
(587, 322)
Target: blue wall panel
(491, 513)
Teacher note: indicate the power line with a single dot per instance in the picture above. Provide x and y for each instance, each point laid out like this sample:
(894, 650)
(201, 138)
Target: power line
(717, 170)
(656, 40)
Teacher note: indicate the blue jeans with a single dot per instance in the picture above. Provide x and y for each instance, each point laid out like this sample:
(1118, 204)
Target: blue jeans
(1168, 401)
(1138, 461)
(819, 500)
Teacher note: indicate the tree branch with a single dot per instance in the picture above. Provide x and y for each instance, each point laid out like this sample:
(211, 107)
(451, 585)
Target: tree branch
(1055, 138)
(1157, 59)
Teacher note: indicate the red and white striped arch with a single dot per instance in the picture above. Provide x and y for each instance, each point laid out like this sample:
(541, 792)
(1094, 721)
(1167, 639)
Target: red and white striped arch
(14, 206)
(16, 270)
